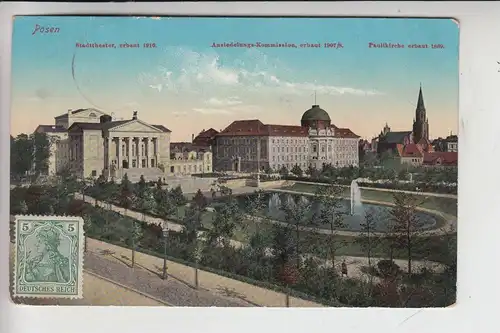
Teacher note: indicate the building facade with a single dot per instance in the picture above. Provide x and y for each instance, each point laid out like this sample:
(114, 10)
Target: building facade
(250, 145)
(188, 158)
(88, 143)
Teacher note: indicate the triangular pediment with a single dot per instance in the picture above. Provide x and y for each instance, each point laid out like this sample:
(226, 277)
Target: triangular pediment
(135, 126)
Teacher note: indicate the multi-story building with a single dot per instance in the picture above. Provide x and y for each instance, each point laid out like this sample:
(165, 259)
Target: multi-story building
(415, 155)
(58, 138)
(452, 143)
(188, 158)
(88, 143)
(250, 145)
(448, 144)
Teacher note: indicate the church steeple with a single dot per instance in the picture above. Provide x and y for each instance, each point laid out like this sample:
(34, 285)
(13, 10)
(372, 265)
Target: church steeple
(420, 102)
(420, 123)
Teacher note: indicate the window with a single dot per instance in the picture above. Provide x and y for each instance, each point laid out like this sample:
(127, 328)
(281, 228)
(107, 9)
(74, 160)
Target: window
(172, 169)
(92, 115)
(94, 173)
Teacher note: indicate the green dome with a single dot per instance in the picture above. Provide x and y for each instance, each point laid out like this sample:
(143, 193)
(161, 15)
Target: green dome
(315, 113)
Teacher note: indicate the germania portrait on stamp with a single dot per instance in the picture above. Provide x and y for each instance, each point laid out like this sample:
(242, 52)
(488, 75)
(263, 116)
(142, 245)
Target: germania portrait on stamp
(48, 256)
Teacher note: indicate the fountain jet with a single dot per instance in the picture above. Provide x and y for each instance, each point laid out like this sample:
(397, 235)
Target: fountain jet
(356, 205)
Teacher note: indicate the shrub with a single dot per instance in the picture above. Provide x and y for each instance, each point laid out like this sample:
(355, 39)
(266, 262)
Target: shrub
(388, 268)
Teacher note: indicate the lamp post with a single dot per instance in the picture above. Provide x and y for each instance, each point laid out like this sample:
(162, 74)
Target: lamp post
(165, 236)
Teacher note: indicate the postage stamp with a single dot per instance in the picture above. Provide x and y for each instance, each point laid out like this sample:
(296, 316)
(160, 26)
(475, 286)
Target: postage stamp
(48, 256)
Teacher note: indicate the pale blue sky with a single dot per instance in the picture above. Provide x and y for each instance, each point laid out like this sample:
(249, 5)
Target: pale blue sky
(187, 85)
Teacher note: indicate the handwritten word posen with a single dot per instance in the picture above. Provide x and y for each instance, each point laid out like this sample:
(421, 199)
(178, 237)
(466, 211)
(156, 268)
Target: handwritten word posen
(317, 45)
(44, 30)
(403, 46)
(114, 46)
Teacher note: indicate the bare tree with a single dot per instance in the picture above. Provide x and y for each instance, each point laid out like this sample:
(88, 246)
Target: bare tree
(406, 227)
(368, 238)
(331, 212)
(296, 214)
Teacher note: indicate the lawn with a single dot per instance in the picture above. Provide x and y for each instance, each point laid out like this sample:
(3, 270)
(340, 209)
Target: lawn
(445, 205)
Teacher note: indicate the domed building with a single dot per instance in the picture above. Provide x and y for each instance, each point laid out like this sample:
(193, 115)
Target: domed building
(316, 117)
(250, 145)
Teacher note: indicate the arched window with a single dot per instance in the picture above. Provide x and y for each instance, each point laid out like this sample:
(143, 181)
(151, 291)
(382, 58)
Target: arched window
(92, 115)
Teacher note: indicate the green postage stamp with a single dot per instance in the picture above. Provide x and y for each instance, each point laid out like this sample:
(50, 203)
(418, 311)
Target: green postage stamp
(48, 256)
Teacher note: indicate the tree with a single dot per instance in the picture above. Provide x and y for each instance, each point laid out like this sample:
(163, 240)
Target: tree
(296, 170)
(145, 202)
(367, 239)
(21, 155)
(178, 198)
(165, 207)
(136, 236)
(313, 172)
(228, 217)
(284, 251)
(23, 207)
(283, 171)
(125, 198)
(331, 212)
(141, 186)
(87, 223)
(200, 200)
(296, 216)
(406, 225)
(283, 245)
(99, 189)
(41, 152)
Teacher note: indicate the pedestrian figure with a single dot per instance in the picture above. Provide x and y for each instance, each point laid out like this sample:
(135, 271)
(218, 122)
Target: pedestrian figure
(344, 268)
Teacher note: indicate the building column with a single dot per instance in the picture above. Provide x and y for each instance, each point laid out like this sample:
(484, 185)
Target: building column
(157, 150)
(130, 142)
(118, 152)
(137, 143)
(108, 153)
(146, 145)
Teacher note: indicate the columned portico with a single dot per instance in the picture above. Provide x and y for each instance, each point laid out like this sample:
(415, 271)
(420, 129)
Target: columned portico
(131, 152)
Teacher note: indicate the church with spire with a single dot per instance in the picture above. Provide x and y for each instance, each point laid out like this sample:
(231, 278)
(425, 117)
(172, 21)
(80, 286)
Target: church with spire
(420, 122)
(389, 140)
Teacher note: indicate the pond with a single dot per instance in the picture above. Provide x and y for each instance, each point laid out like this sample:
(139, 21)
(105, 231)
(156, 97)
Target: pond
(381, 214)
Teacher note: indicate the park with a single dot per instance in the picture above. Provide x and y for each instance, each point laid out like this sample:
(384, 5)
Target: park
(399, 246)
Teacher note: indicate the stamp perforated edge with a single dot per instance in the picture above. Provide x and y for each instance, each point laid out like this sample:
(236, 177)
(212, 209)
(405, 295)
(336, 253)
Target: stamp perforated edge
(81, 240)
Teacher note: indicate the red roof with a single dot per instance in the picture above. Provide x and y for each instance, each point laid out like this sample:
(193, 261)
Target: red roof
(205, 137)
(344, 133)
(441, 158)
(209, 133)
(256, 128)
(410, 150)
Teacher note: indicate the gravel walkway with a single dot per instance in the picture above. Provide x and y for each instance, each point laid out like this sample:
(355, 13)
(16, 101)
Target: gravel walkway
(171, 291)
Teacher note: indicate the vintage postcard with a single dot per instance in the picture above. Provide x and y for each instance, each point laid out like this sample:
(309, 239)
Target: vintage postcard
(234, 162)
